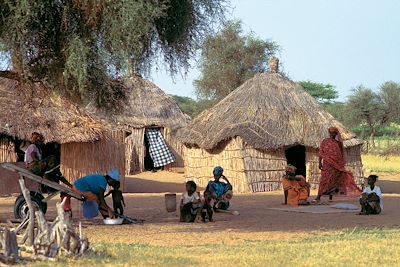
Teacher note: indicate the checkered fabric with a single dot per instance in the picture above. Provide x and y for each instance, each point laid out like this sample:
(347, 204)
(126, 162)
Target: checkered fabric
(159, 151)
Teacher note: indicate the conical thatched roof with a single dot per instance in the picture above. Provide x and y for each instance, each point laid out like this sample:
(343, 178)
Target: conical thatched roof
(147, 105)
(28, 108)
(268, 112)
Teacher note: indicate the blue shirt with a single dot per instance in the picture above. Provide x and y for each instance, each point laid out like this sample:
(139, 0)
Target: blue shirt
(218, 187)
(94, 183)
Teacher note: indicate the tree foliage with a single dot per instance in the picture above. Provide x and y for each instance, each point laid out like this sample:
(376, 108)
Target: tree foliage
(323, 93)
(229, 58)
(366, 107)
(389, 94)
(81, 46)
(191, 106)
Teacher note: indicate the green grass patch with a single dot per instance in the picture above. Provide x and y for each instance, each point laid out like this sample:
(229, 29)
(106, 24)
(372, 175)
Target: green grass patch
(376, 163)
(357, 247)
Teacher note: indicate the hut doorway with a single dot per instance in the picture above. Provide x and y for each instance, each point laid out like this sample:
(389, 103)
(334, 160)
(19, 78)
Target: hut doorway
(148, 161)
(296, 156)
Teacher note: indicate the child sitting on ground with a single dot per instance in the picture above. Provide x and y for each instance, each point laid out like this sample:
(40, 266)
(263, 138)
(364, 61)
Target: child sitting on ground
(118, 199)
(371, 198)
(190, 203)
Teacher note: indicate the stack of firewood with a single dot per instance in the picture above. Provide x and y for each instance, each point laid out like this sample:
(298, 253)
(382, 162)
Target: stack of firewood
(43, 240)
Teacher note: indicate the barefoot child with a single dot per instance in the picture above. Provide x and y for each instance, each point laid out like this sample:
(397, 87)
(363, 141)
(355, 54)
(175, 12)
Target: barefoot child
(371, 198)
(190, 203)
(118, 199)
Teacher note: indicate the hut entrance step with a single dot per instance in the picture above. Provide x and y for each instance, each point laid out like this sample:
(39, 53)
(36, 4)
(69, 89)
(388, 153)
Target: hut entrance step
(296, 156)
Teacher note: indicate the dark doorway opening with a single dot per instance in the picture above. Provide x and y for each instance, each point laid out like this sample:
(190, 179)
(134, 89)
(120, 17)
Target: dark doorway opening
(148, 161)
(296, 156)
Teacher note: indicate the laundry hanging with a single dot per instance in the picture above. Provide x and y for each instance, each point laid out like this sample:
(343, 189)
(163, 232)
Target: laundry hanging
(158, 150)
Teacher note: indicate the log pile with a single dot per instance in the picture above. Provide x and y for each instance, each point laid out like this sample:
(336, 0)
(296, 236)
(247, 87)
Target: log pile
(43, 240)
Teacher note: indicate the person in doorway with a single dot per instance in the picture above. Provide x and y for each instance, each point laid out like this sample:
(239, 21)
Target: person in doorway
(93, 187)
(296, 189)
(33, 155)
(190, 207)
(371, 198)
(48, 168)
(217, 195)
(335, 179)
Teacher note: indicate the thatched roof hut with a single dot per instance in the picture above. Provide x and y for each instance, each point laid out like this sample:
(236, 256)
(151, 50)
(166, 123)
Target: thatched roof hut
(26, 108)
(256, 130)
(147, 107)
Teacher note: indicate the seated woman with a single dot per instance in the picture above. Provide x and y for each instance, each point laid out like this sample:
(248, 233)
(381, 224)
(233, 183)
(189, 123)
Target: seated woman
(217, 194)
(295, 187)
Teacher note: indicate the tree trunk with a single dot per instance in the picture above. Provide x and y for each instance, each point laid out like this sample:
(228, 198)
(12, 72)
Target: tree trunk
(371, 137)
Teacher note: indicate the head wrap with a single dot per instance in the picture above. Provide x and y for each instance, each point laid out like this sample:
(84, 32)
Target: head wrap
(218, 171)
(114, 174)
(333, 130)
(338, 137)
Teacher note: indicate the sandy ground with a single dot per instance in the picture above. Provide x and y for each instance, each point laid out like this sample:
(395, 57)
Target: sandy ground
(255, 222)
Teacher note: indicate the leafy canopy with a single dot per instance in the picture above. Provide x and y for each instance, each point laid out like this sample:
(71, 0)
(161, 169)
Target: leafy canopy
(365, 106)
(389, 93)
(229, 58)
(323, 93)
(81, 46)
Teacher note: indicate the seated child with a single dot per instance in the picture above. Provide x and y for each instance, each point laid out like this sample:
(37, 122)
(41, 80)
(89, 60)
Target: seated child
(118, 199)
(190, 207)
(371, 198)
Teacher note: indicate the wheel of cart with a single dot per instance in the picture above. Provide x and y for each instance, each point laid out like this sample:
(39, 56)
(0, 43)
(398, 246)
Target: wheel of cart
(21, 209)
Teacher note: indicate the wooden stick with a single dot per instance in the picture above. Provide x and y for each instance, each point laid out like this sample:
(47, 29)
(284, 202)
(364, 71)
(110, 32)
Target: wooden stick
(22, 224)
(28, 201)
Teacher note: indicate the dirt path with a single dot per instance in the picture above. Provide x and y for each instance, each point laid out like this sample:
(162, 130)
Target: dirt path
(255, 222)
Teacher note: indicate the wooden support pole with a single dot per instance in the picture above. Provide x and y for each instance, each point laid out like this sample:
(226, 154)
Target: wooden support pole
(31, 223)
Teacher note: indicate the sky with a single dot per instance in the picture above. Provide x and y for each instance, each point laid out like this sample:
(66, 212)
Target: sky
(341, 42)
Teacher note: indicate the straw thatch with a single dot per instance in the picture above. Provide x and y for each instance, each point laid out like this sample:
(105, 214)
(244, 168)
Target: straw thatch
(28, 108)
(268, 112)
(147, 107)
(86, 147)
(250, 129)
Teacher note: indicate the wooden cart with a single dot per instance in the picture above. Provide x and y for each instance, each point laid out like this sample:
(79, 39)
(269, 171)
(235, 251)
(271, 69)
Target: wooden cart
(20, 206)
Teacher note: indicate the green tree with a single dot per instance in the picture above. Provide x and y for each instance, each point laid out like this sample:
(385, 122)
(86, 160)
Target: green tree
(338, 110)
(229, 58)
(323, 93)
(389, 93)
(365, 107)
(80, 46)
(191, 106)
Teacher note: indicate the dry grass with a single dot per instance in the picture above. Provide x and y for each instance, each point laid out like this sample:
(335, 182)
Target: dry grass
(375, 163)
(356, 247)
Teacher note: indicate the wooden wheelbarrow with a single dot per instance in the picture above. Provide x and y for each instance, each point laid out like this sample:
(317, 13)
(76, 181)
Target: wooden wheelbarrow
(20, 207)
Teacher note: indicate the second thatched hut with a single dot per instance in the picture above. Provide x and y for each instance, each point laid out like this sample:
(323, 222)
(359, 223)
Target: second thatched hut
(148, 111)
(256, 130)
